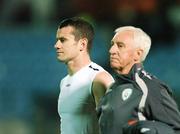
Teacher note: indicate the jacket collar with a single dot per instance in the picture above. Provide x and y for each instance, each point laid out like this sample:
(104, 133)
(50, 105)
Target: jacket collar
(136, 68)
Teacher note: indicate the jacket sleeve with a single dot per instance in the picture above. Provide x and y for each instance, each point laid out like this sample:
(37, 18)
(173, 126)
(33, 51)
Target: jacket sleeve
(162, 107)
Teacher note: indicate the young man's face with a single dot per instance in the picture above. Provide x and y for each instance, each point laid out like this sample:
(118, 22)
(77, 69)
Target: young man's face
(67, 47)
(122, 51)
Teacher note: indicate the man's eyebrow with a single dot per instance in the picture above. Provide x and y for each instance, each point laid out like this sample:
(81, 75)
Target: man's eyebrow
(60, 38)
(120, 43)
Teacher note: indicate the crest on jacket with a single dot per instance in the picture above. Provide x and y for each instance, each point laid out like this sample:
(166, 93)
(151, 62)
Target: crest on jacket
(126, 93)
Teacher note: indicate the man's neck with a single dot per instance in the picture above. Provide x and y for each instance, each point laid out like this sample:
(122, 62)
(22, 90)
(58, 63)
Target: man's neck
(125, 70)
(76, 65)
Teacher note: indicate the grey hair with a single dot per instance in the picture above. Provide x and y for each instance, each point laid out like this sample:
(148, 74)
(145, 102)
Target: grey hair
(141, 39)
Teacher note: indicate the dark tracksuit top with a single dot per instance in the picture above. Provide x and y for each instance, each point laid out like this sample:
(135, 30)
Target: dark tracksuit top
(134, 97)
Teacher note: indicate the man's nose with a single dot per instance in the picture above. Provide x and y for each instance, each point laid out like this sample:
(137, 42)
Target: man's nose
(57, 44)
(112, 49)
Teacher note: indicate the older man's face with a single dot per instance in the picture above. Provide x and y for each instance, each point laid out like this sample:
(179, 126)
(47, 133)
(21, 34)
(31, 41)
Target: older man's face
(122, 51)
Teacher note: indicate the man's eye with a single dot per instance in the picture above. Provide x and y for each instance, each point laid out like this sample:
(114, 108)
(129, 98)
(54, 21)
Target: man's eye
(62, 40)
(119, 45)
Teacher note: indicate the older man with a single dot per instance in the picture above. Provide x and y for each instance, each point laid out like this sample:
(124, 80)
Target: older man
(137, 103)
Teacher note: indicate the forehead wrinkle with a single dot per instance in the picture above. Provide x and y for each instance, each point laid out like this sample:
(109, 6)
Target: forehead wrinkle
(124, 37)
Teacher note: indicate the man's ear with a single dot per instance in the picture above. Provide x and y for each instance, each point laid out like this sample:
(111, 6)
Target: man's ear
(138, 54)
(83, 44)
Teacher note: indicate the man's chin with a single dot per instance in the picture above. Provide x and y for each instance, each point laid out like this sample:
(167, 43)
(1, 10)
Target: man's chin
(60, 60)
(113, 65)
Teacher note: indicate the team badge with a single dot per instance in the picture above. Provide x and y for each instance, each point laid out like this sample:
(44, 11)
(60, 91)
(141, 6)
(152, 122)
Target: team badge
(126, 93)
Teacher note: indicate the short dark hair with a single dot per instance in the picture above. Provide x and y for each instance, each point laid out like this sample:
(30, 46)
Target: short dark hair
(82, 29)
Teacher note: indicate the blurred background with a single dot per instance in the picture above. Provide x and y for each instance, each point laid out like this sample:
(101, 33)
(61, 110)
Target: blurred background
(30, 72)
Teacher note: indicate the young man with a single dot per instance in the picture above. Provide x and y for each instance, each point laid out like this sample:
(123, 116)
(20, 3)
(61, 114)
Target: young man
(85, 83)
(137, 103)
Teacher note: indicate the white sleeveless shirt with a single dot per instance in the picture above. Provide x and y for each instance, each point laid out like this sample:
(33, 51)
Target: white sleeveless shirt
(76, 105)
